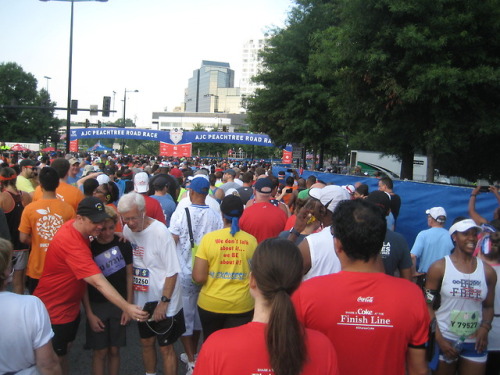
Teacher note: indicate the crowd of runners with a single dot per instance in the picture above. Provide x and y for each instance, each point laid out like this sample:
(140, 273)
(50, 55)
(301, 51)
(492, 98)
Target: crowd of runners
(254, 271)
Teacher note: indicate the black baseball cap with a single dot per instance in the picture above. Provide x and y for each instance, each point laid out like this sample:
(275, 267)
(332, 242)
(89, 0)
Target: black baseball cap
(264, 185)
(27, 163)
(93, 208)
(380, 199)
(232, 206)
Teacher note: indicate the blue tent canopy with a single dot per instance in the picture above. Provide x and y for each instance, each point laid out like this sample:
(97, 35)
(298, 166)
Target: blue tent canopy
(99, 147)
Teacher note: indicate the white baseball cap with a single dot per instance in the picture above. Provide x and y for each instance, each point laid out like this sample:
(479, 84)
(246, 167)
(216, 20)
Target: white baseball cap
(436, 212)
(141, 182)
(330, 195)
(102, 179)
(464, 226)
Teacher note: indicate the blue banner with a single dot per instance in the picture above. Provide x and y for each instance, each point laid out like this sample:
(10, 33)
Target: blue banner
(416, 198)
(174, 136)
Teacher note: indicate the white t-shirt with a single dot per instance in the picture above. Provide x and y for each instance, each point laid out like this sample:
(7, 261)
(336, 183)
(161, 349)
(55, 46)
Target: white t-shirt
(209, 200)
(203, 220)
(324, 260)
(24, 327)
(154, 260)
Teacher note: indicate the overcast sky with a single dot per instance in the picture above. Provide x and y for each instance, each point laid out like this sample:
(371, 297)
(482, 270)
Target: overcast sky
(147, 45)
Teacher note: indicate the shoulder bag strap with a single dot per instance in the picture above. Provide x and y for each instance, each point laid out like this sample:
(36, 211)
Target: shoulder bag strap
(191, 237)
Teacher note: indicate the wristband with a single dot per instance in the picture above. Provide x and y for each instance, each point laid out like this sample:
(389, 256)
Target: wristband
(486, 322)
(486, 328)
(473, 195)
(295, 232)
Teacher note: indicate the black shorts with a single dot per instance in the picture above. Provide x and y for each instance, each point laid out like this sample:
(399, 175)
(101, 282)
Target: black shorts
(166, 331)
(114, 333)
(212, 322)
(63, 335)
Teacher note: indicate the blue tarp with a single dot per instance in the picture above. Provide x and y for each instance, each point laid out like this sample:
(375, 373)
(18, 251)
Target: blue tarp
(99, 147)
(416, 198)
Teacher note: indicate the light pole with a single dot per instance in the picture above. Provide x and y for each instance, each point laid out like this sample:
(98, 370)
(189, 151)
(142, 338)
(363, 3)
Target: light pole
(124, 111)
(47, 84)
(70, 70)
(125, 103)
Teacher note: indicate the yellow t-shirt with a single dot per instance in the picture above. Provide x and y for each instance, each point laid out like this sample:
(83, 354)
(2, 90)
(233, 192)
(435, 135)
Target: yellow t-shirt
(227, 288)
(23, 184)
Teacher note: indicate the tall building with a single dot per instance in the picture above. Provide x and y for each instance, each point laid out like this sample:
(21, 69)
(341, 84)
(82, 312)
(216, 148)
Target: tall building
(211, 89)
(251, 65)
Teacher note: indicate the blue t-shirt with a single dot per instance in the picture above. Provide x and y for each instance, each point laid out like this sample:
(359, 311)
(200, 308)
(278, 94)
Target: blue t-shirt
(167, 205)
(430, 245)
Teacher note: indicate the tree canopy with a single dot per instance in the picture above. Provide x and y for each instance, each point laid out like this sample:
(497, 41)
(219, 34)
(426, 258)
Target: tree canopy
(393, 76)
(18, 89)
(293, 105)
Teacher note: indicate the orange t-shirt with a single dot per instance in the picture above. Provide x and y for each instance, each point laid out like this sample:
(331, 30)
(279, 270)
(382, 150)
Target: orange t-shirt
(41, 220)
(65, 192)
(118, 226)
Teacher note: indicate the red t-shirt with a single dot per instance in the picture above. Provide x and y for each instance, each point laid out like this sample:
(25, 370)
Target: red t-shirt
(371, 319)
(154, 210)
(242, 350)
(68, 262)
(263, 220)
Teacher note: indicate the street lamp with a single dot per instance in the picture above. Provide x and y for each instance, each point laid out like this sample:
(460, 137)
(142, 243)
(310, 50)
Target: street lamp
(124, 111)
(47, 78)
(68, 105)
(125, 103)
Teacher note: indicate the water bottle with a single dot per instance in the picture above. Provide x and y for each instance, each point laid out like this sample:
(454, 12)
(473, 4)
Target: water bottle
(457, 345)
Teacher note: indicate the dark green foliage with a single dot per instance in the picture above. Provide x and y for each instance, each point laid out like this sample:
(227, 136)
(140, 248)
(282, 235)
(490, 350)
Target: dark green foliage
(388, 75)
(17, 89)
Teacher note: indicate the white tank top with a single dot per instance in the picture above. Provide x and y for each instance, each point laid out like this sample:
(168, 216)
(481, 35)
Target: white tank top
(324, 260)
(462, 294)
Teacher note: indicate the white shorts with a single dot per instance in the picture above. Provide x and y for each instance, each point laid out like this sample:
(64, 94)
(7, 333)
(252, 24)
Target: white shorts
(20, 259)
(190, 306)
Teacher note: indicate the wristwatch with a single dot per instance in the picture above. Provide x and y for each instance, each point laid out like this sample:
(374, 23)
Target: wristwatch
(165, 299)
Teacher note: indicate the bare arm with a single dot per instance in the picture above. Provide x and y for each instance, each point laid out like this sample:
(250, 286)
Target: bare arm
(306, 255)
(83, 179)
(25, 238)
(95, 323)
(200, 270)
(478, 219)
(219, 194)
(130, 293)
(46, 360)
(415, 361)
(488, 313)
(99, 282)
(433, 282)
(160, 312)
(494, 190)
(406, 273)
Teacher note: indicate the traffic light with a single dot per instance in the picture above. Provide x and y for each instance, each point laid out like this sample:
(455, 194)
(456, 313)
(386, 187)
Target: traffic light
(98, 123)
(87, 123)
(106, 104)
(74, 107)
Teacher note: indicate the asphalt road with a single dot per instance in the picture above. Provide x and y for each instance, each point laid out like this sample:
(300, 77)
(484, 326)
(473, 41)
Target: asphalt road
(80, 359)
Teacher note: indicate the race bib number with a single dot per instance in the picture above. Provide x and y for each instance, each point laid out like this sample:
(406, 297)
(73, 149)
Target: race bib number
(141, 279)
(110, 261)
(464, 323)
